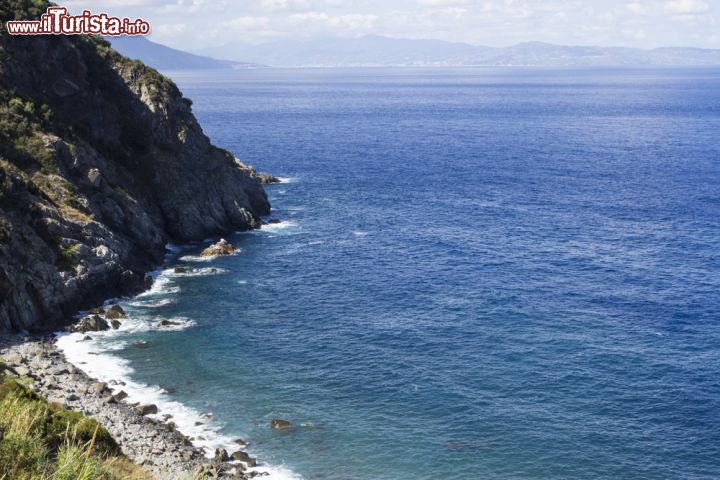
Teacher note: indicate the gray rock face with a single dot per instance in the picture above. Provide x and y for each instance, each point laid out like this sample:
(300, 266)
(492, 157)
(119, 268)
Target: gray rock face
(245, 458)
(91, 323)
(119, 167)
(221, 455)
(146, 409)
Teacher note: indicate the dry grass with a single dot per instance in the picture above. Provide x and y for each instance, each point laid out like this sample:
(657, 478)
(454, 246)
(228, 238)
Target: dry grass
(39, 441)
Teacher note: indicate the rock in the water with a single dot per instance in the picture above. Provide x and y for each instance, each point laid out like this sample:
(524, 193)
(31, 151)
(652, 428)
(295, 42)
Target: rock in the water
(141, 344)
(221, 455)
(244, 457)
(266, 178)
(145, 409)
(168, 323)
(115, 312)
(121, 395)
(180, 270)
(279, 424)
(115, 324)
(223, 247)
(97, 311)
(91, 323)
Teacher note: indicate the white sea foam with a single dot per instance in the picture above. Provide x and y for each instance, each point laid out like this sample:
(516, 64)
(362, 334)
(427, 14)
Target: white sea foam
(94, 357)
(282, 225)
(151, 303)
(198, 258)
(195, 272)
(287, 179)
(360, 233)
(162, 285)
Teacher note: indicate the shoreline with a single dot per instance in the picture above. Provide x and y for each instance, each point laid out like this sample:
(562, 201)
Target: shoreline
(156, 445)
(151, 439)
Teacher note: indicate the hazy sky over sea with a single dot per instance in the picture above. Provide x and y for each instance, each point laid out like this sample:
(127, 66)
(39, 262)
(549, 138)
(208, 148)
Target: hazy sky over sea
(194, 24)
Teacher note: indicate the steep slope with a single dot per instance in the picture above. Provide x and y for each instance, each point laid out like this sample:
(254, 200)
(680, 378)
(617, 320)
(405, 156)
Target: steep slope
(101, 164)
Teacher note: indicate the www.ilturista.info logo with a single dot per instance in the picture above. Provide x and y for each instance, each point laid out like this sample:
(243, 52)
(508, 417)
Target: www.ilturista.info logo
(56, 21)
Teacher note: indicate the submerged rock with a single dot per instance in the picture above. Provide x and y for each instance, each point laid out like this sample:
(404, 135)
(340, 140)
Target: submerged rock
(180, 270)
(245, 458)
(279, 424)
(223, 247)
(115, 312)
(91, 323)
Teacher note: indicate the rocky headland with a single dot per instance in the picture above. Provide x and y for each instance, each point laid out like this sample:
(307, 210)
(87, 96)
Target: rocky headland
(102, 163)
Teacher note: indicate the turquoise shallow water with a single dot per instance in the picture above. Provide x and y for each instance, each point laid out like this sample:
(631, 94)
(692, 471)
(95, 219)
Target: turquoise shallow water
(480, 273)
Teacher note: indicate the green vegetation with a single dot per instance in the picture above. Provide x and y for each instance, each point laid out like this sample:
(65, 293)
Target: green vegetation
(67, 257)
(22, 9)
(70, 196)
(21, 121)
(34, 148)
(41, 441)
(122, 191)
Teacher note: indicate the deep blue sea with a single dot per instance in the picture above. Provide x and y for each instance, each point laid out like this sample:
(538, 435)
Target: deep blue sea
(479, 274)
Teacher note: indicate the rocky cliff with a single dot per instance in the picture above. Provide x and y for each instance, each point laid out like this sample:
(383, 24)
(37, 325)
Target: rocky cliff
(101, 164)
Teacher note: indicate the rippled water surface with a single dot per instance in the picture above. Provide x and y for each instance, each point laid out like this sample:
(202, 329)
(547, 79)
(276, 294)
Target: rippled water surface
(479, 274)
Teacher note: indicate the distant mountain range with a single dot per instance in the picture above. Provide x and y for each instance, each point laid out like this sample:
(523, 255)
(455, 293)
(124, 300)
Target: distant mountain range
(166, 58)
(374, 50)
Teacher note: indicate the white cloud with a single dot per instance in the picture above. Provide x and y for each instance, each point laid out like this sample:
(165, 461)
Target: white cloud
(247, 23)
(322, 19)
(286, 4)
(170, 29)
(637, 8)
(641, 23)
(444, 3)
(686, 7)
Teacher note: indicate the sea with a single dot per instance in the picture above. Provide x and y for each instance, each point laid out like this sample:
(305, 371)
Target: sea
(471, 273)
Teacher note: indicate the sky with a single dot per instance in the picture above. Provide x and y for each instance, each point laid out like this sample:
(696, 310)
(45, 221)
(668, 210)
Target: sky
(195, 24)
